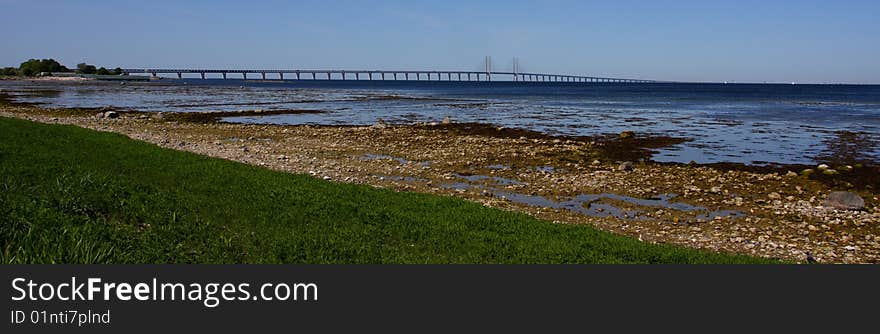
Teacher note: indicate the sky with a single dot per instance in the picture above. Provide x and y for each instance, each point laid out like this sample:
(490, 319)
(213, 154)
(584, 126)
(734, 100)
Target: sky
(687, 40)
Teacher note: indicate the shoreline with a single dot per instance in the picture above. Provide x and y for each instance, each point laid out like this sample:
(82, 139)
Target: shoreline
(509, 168)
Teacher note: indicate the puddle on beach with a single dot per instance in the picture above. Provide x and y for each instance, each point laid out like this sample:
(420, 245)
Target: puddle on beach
(594, 205)
(495, 179)
(370, 156)
(401, 178)
(544, 169)
(402, 161)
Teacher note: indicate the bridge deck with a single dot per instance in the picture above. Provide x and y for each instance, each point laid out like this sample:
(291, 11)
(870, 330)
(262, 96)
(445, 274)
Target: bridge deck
(384, 75)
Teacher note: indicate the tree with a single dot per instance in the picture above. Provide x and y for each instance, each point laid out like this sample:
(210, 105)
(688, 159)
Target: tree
(102, 71)
(34, 67)
(83, 68)
(117, 71)
(9, 71)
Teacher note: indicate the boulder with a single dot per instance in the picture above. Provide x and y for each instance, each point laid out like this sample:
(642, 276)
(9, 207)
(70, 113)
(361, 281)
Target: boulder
(627, 134)
(844, 200)
(625, 167)
(447, 120)
(107, 114)
(380, 124)
(830, 172)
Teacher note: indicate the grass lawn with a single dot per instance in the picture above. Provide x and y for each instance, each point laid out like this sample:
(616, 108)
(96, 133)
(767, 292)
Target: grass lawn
(71, 195)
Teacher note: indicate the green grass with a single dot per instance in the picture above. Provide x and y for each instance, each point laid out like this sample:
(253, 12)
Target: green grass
(71, 195)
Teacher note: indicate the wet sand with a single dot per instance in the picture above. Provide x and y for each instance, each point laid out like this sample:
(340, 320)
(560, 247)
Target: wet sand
(764, 211)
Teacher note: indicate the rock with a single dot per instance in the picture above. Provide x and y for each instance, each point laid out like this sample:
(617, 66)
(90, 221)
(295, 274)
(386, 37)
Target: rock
(159, 116)
(830, 172)
(774, 195)
(807, 172)
(627, 134)
(326, 178)
(715, 190)
(823, 167)
(111, 114)
(791, 174)
(596, 162)
(447, 120)
(625, 167)
(380, 124)
(844, 200)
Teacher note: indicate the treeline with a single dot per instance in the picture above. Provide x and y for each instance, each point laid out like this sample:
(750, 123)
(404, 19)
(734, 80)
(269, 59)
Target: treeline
(35, 67)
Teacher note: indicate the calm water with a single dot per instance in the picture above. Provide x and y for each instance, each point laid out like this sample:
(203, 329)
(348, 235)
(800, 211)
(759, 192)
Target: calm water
(752, 124)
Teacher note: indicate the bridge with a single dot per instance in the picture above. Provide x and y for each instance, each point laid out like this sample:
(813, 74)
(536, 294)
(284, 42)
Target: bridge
(382, 75)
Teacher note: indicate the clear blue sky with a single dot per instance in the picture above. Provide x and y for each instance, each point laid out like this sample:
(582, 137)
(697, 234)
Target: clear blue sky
(700, 40)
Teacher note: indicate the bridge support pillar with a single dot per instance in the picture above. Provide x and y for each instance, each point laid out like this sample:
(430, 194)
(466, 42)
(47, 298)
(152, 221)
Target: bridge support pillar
(179, 75)
(224, 75)
(281, 75)
(328, 76)
(244, 75)
(264, 75)
(203, 75)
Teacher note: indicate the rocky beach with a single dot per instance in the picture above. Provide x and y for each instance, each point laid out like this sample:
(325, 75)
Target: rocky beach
(824, 213)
